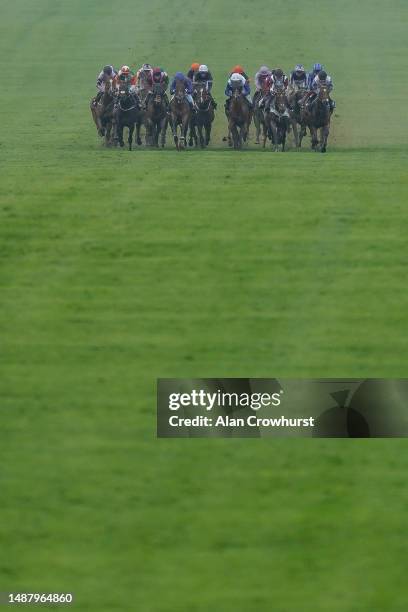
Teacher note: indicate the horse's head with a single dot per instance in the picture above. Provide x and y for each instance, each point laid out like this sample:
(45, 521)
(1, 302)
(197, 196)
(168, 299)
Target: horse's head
(180, 91)
(236, 90)
(324, 94)
(157, 93)
(125, 97)
(280, 99)
(201, 94)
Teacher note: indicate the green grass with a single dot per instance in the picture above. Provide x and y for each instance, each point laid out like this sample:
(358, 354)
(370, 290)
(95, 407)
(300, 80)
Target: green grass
(119, 267)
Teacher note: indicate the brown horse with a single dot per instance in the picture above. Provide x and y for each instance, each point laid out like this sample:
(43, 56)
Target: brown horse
(295, 97)
(239, 117)
(203, 118)
(102, 113)
(277, 119)
(156, 117)
(180, 115)
(259, 118)
(317, 116)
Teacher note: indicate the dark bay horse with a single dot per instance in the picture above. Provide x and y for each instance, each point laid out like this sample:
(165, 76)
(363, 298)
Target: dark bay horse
(239, 117)
(102, 113)
(295, 97)
(180, 115)
(317, 116)
(204, 116)
(127, 114)
(277, 119)
(156, 117)
(259, 118)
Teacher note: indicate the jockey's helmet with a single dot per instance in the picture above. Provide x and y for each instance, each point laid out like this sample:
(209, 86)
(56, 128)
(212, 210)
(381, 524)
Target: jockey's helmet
(125, 70)
(264, 70)
(157, 70)
(279, 73)
(236, 78)
(195, 66)
(203, 68)
(317, 67)
(146, 67)
(299, 68)
(322, 75)
(107, 70)
(237, 69)
(179, 76)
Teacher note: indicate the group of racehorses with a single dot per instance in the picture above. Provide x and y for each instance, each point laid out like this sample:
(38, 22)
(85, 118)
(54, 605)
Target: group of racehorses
(290, 109)
(285, 109)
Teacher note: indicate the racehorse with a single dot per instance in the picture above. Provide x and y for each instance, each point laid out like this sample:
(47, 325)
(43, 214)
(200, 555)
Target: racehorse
(204, 116)
(102, 113)
(156, 117)
(317, 116)
(259, 118)
(277, 119)
(180, 115)
(127, 114)
(239, 117)
(295, 97)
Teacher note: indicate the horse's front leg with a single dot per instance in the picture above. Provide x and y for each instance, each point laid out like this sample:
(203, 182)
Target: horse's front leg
(302, 134)
(257, 122)
(295, 132)
(274, 143)
(200, 136)
(324, 138)
(183, 131)
(108, 134)
(138, 138)
(173, 125)
(208, 127)
(315, 140)
(163, 131)
(130, 135)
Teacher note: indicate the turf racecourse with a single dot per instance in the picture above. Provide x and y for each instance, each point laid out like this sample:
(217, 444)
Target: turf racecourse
(119, 267)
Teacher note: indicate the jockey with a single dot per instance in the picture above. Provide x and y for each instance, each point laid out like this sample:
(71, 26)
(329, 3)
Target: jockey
(263, 83)
(192, 71)
(203, 75)
(322, 78)
(279, 79)
(107, 73)
(239, 70)
(188, 87)
(144, 77)
(159, 77)
(237, 80)
(125, 77)
(298, 77)
(313, 74)
(263, 78)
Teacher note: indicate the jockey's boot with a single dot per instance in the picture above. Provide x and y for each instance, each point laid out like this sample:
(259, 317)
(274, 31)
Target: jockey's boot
(332, 105)
(213, 103)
